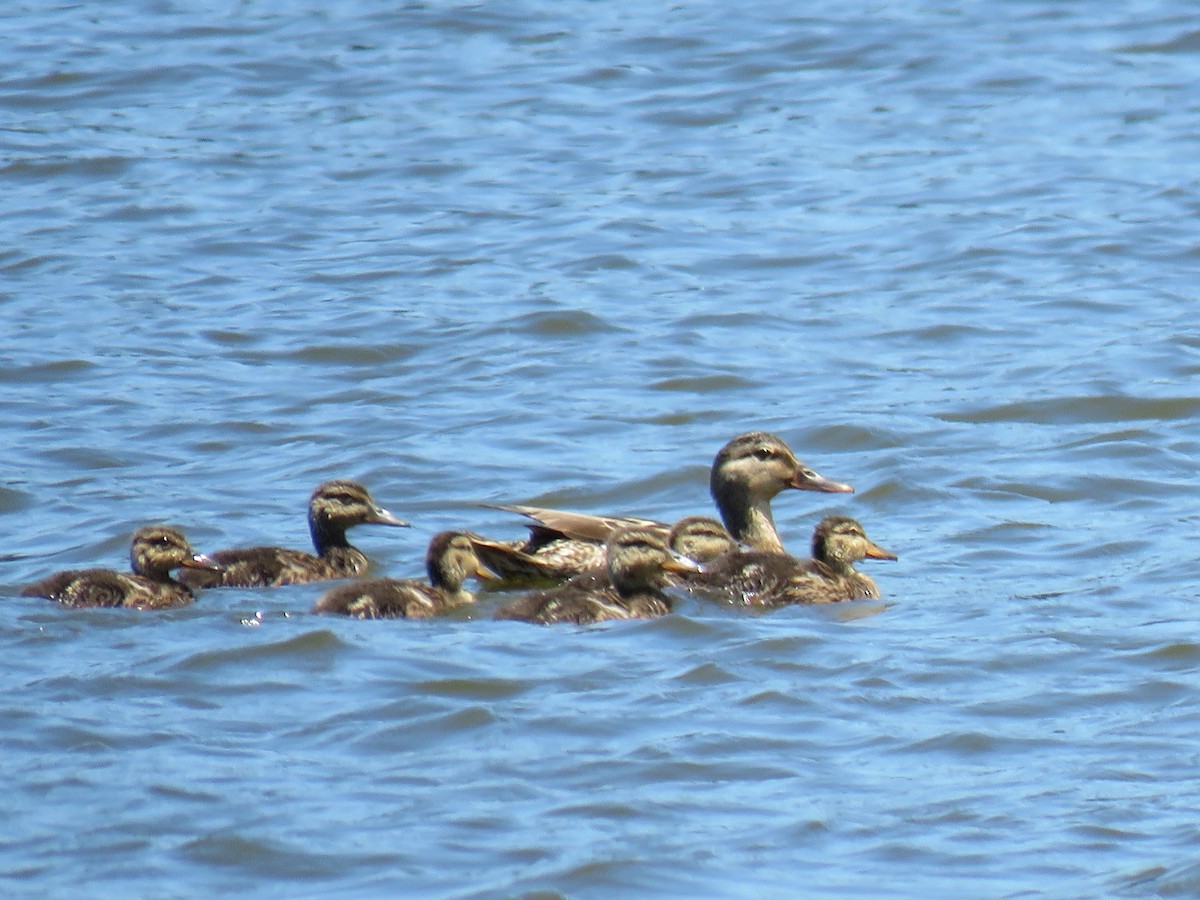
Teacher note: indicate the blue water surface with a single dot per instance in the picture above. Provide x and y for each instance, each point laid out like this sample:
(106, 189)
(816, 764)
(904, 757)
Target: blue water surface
(559, 253)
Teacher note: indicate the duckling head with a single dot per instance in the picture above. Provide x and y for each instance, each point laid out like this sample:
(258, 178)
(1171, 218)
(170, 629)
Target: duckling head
(451, 560)
(341, 504)
(840, 542)
(700, 538)
(157, 549)
(639, 559)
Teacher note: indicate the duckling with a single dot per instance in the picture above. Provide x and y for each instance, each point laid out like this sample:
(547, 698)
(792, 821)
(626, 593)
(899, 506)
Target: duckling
(334, 507)
(154, 552)
(757, 578)
(838, 543)
(639, 565)
(701, 539)
(745, 477)
(450, 560)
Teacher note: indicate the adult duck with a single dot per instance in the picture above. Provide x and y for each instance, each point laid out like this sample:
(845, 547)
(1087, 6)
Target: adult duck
(746, 475)
(335, 507)
(449, 561)
(154, 552)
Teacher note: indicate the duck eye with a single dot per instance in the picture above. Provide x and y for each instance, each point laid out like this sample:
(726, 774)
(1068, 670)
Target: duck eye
(764, 453)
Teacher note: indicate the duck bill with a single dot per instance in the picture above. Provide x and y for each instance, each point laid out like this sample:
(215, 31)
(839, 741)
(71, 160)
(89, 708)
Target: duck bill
(874, 551)
(380, 516)
(483, 573)
(680, 565)
(808, 480)
(200, 561)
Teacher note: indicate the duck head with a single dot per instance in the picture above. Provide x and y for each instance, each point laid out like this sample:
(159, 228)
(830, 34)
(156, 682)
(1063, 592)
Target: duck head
(157, 549)
(748, 473)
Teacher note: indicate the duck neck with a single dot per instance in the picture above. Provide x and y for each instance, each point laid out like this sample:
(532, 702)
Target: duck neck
(157, 574)
(458, 597)
(327, 535)
(751, 523)
(628, 591)
(841, 568)
(630, 585)
(150, 569)
(446, 577)
(448, 581)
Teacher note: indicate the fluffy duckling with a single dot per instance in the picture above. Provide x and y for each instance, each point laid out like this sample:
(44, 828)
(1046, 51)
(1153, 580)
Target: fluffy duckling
(154, 552)
(745, 477)
(450, 560)
(701, 539)
(638, 567)
(757, 578)
(334, 507)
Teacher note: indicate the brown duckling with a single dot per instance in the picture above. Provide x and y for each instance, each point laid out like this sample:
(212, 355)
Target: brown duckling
(638, 567)
(701, 539)
(154, 552)
(449, 561)
(745, 477)
(334, 507)
(838, 543)
(757, 578)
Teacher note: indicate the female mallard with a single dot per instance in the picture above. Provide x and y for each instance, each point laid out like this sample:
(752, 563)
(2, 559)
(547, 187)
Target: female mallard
(154, 552)
(449, 561)
(335, 506)
(639, 565)
(746, 475)
(757, 578)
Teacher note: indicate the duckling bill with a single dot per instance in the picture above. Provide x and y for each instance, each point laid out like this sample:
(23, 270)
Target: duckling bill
(154, 552)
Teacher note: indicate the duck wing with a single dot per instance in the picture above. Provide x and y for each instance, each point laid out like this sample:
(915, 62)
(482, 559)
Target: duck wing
(557, 523)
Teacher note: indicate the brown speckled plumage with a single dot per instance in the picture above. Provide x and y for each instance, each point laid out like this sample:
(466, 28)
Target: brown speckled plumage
(449, 561)
(560, 544)
(638, 567)
(746, 475)
(334, 507)
(757, 578)
(154, 552)
(701, 539)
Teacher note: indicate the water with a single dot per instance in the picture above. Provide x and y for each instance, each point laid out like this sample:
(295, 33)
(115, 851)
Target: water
(559, 253)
